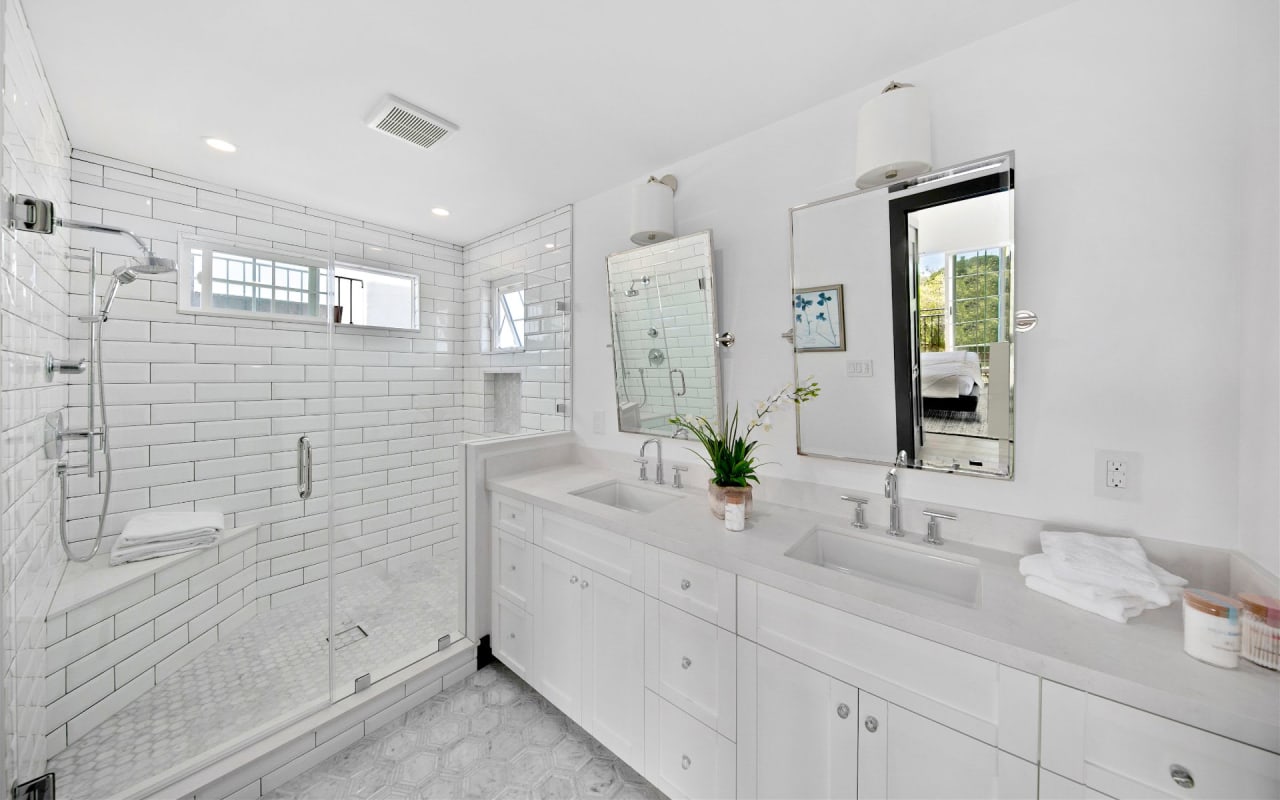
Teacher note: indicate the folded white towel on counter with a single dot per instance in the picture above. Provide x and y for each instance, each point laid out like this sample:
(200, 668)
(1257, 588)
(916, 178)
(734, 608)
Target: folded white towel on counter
(124, 554)
(1109, 576)
(1114, 609)
(170, 526)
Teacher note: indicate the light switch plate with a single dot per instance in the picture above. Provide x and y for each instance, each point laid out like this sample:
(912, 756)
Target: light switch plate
(859, 369)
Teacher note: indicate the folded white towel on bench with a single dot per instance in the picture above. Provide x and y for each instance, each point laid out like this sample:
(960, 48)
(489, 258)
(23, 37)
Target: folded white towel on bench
(170, 526)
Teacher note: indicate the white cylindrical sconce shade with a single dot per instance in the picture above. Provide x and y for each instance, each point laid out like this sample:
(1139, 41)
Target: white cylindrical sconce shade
(895, 141)
(653, 211)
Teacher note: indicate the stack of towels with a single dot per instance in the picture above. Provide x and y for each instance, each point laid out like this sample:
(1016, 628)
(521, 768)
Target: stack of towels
(166, 533)
(1107, 575)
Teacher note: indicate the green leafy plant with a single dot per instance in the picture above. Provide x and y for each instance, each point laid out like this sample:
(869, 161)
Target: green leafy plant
(730, 453)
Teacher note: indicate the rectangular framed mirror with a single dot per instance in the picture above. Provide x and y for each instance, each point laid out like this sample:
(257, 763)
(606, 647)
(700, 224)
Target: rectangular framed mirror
(903, 312)
(662, 307)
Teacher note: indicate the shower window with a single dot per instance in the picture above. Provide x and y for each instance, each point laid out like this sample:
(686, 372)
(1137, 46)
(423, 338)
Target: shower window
(238, 281)
(508, 318)
(230, 280)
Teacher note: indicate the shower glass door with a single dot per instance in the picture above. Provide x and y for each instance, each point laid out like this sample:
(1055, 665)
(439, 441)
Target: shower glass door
(395, 561)
(218, 379)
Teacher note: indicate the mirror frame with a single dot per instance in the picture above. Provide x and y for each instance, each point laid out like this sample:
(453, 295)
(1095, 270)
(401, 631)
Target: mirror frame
(975, 169)
(714, 322)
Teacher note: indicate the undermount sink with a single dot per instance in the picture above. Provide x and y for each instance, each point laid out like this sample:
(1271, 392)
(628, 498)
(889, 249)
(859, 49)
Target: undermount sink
(626, 496)
(893, 563)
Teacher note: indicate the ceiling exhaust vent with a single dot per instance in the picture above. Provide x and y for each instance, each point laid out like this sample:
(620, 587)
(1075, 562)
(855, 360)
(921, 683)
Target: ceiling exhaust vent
(402, 120)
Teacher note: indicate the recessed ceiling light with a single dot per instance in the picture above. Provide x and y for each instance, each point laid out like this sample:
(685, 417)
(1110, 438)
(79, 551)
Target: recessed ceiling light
(550, 245)
(221, 145)
(440, 212)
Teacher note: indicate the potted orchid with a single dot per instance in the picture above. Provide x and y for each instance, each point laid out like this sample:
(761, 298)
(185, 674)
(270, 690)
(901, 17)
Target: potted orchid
(730, 451)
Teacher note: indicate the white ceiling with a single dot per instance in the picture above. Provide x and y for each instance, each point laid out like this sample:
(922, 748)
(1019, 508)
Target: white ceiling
(556, 100)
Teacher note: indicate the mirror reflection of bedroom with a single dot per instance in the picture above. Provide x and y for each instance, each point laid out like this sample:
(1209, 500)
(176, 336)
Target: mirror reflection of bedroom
(962, 282)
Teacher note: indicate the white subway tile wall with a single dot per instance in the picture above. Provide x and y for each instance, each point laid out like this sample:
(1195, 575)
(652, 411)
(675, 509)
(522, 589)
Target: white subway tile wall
(539, 252)
(206, 411)
(33, 321)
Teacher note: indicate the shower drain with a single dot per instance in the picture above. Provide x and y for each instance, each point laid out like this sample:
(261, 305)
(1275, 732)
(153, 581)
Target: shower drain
(348, 636)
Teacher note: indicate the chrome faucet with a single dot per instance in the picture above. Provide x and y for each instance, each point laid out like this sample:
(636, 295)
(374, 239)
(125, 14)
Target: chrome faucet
(657, 473)
(891, 492)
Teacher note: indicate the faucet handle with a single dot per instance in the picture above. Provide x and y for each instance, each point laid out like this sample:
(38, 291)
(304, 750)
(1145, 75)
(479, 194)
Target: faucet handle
(644, 467)
(676, 481)
(859, 510)
(933, 536)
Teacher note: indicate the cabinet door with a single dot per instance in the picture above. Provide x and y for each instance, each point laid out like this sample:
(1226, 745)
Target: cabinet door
(557, 630)
(904, 755)
(613, 666)
(805, 732)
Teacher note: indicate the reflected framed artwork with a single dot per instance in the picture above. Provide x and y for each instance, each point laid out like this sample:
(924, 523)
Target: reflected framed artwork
(819, 318)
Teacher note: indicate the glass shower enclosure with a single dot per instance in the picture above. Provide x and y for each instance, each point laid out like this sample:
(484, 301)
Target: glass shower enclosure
(328, 447)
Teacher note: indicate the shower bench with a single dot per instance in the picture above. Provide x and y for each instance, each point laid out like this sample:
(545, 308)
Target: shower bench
(114, 632)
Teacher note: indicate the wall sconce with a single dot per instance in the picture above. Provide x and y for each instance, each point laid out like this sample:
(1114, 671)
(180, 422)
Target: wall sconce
(895, 140)
(653, 210)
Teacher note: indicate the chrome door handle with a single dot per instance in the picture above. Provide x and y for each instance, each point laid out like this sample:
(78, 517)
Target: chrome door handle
(683, 386)
(304, 467)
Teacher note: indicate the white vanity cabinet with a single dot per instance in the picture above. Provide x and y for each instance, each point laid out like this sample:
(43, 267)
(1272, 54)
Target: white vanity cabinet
(808, 735)
(588, 651)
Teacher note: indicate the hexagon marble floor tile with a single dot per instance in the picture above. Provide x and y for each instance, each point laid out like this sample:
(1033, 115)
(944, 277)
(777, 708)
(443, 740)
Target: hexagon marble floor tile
(490, 736)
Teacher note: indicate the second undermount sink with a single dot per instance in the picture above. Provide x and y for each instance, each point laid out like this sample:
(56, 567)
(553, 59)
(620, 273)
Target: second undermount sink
(906, 566)
(626, 496)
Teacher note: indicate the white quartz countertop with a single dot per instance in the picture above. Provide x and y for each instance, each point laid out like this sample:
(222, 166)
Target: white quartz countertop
(1140, 663)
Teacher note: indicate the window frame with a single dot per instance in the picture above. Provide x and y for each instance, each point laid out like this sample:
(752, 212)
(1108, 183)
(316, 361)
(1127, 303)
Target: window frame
(324, 270)
(498, 300)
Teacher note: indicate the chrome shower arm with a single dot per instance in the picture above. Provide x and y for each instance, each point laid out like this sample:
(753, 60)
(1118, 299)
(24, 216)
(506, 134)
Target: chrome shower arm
(96, 227)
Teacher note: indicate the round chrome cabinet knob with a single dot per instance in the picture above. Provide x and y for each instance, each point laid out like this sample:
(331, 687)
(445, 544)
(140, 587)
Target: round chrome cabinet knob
(842, 711)
(1181, 776)
(871, 724)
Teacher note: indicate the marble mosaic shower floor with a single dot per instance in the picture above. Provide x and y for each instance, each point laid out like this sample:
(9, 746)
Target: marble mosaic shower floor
(490, 737)
(272, 667)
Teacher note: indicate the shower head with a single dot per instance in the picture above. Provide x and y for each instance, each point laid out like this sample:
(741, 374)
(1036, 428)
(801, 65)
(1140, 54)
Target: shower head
(150, 265)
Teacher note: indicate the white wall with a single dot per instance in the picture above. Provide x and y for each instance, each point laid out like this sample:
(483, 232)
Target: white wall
(33, 319)
(1134, 190)
(1259, 297)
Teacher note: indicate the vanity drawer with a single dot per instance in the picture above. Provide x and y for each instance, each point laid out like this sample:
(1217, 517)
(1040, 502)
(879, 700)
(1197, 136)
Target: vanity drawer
(1127, 753)
(513, 569)
(605, 552)
(683, 757)
(693, 664)
(509, 515)
(692, 586)
(513, 635)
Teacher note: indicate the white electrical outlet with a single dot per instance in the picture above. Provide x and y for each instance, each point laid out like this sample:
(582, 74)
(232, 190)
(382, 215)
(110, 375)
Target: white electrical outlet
(1117, 471)
(1117, 474)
